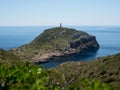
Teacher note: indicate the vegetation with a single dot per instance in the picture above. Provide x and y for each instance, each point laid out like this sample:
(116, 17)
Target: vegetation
(105, 70)
(4, 55)
(18, 74)
(22, 76)
(100, 74)
(54, 40)
(25, 76)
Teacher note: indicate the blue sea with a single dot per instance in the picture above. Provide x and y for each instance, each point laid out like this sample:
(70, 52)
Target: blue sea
(107, 36)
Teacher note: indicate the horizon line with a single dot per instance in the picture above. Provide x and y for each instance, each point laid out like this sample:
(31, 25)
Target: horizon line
(54, 25)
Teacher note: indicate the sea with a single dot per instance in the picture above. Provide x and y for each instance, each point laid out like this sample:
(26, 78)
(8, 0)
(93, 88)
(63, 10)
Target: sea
(108, 38)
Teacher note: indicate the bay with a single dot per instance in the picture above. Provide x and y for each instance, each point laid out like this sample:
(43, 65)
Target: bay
(107, 36)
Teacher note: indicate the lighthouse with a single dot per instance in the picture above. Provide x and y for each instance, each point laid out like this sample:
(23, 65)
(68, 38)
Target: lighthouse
(61, 26)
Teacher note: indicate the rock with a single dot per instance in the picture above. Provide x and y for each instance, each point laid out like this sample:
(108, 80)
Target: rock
(56, 42)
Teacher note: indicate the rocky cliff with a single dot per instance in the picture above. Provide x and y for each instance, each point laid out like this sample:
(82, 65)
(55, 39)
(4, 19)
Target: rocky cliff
(55, 42)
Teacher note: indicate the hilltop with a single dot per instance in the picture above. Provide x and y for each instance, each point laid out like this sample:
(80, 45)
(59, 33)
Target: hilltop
(55, 42)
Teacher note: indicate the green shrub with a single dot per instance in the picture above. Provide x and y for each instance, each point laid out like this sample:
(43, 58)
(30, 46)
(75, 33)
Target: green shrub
(87, 84)
(17, 75)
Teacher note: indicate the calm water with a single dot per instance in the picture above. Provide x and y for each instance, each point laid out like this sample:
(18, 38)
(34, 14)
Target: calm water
(107, 37)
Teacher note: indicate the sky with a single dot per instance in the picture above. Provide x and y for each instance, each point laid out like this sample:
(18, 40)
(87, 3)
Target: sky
(52, 12)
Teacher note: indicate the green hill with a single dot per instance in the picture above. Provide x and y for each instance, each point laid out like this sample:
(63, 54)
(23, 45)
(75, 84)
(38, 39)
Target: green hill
(56, 42)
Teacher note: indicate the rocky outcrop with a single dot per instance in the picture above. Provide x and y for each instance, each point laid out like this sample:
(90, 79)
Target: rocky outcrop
(57, 42)
(84, 43)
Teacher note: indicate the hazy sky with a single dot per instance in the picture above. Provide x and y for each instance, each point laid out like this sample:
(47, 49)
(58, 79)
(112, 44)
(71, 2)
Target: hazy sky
(52, 12)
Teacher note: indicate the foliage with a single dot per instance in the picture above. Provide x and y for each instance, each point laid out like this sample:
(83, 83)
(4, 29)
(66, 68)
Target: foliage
(100, 74)
(87, 84)
(17, 75)
(54, 38)
(106, 70)
(4, 55)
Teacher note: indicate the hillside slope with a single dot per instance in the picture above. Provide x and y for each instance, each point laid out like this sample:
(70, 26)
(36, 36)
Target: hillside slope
(105, 69)
(4, 55)
(100, 74)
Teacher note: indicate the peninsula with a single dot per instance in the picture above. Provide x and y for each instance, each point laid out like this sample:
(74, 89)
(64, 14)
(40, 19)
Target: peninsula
(56, 42)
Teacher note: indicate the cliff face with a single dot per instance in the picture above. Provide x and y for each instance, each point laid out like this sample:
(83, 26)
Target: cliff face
(57, 42)
(84, 43)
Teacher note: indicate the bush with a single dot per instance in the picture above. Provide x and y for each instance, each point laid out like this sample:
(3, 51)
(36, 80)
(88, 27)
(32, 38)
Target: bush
(17, 75)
